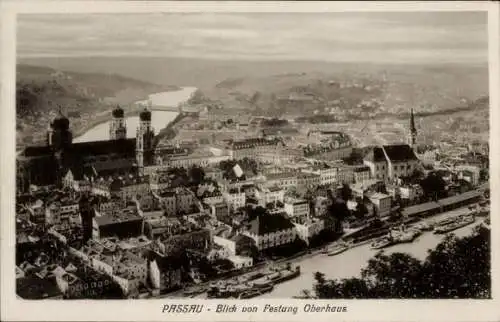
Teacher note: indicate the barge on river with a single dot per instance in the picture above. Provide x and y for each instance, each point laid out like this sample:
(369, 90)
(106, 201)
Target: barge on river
(254, 284)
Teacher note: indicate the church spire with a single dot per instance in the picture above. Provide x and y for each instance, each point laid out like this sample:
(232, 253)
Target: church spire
(412, 123)
(412, 136)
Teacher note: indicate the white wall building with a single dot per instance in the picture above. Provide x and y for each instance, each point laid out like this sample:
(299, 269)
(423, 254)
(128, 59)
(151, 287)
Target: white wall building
(382, 203)
(297, 208)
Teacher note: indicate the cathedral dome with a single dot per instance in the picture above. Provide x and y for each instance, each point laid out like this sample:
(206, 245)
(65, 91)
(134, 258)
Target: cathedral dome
(145, 115)
(60, 122)
(118, 112)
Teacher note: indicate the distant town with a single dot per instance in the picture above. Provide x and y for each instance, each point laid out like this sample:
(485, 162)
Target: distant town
(223, 204)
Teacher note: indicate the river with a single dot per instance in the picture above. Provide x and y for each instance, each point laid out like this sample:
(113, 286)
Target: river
(159, 119)
(350, 263)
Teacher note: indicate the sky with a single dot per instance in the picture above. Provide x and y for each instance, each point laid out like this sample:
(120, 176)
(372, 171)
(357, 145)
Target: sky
(404, 37)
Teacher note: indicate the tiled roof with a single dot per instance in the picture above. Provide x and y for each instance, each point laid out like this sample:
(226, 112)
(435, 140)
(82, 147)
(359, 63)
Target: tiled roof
(122, 216)
(266, 224)
(279, 131)
(399, 153)
(129, 181)
(461, 197)
(252, 142)
(280, 175)
(416, 209)
(376, 155)
(125, 146)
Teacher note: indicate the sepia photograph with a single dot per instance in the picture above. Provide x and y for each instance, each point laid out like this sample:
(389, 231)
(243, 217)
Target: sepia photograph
(199, 156)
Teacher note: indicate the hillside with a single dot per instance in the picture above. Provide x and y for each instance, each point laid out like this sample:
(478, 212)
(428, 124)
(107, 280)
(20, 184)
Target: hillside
(321, 92)
(83, 97)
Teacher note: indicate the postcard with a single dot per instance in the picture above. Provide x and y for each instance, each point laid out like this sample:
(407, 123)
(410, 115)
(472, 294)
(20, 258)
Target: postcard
(249, 161)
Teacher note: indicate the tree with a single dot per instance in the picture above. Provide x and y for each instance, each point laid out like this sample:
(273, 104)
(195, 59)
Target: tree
(361, 209)
(433, 186)
(196, 175)
(338, 210)
(457, 268)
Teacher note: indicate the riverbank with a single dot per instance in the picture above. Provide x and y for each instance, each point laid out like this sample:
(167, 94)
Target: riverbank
(170, 98)
(357, 256)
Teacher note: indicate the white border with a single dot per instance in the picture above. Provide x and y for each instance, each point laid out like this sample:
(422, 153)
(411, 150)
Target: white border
(136, 310)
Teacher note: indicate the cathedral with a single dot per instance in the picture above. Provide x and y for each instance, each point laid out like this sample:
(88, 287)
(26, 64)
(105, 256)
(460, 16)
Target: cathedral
(48, 164)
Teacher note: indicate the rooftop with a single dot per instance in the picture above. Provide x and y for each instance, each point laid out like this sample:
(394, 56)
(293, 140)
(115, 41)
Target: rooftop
(461, 197)
(253, 142)
(399, 153)
(34, 288)
(280, 175)
(417, 209)
(124, 215)
(376, 155)
(274, 189)
(266, 224)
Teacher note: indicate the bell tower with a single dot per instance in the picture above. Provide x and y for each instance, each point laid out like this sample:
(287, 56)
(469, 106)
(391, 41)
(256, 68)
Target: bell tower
(117, 126)
(412, 135)
(144, 142)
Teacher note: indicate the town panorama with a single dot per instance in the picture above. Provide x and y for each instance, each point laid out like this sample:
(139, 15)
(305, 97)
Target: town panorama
(314, 177)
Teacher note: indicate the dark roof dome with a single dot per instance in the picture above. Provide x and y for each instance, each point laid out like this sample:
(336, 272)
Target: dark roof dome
(60, 122)
(145, 115)
(118, 111)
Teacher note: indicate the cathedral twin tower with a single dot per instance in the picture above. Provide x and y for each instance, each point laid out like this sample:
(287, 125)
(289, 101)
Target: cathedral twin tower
(144, 136)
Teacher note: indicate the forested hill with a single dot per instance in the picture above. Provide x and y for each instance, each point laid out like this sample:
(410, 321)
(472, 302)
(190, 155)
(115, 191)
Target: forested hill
(40, 91)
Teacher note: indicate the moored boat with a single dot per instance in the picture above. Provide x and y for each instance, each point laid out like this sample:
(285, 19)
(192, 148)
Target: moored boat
(287, 274)
(382, 243)
(337, 249)
(254, 292)
(459, 222)
(406, 236)
(224, 290)
(423, 226)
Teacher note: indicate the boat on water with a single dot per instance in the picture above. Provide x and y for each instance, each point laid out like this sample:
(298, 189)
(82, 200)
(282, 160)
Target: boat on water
(253, 276)
(405, 236)
(228, 291)
(459, 222)
(254, 292)
(277, 275)
(382, 243)
(287, 274)
(423, 226)
(337, 249)
(445, 221)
